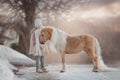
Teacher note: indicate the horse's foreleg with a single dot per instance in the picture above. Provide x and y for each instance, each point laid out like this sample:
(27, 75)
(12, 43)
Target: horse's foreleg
(63, 62)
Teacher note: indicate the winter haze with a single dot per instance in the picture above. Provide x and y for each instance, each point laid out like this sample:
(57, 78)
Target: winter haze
(100, 18)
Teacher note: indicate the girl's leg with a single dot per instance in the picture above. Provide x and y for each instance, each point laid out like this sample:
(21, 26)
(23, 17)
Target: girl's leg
(42, 60)
(38, 63)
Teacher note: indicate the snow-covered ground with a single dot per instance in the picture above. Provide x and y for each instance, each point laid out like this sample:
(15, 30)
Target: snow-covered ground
(9, 58)
(73, 72)
(5, 70)
(15, 57)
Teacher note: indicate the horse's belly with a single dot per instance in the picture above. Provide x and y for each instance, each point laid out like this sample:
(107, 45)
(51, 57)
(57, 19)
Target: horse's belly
(73, 50)
(74, 44)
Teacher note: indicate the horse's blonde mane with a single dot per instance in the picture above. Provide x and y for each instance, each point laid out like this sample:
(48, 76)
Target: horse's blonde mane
(58, 39)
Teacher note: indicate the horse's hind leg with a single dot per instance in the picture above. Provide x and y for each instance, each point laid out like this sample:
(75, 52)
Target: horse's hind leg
(93, 56)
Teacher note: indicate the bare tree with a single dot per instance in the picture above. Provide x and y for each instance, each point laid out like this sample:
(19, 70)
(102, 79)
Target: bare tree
(20, 15)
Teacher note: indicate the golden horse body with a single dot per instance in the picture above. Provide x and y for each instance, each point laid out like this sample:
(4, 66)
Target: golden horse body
(66, 44)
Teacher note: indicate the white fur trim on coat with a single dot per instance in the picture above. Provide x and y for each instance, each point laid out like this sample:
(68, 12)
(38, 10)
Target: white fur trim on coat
(35, 48)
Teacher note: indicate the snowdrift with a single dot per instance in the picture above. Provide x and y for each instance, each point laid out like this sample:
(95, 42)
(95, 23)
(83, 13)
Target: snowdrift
(5, 70)
(9, 58)
(15, 57)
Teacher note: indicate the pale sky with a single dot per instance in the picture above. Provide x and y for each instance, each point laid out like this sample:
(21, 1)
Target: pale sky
(94, 9)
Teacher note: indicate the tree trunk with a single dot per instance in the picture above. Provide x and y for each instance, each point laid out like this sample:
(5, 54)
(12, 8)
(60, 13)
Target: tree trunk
(30, 16)
(29, 19)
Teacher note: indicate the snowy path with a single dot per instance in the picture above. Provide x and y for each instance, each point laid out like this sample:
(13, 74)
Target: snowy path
(73, 72)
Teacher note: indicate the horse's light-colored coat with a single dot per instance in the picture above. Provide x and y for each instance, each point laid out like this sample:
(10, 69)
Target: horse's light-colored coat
(66, 44)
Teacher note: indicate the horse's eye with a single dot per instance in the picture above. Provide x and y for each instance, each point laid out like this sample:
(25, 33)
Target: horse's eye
(42, 35)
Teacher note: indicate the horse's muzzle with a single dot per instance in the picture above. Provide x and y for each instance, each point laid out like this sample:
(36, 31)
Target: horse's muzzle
(42, 42)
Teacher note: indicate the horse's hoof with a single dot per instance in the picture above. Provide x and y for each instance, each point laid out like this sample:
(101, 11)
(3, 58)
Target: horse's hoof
(95, 70)
(62, 71)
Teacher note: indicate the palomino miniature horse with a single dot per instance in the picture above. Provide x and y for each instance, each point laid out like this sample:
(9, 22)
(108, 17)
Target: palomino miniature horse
(66, 44)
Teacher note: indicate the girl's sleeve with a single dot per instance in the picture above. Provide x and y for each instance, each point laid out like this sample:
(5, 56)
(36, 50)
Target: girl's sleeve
(37, 43)
(31, 44)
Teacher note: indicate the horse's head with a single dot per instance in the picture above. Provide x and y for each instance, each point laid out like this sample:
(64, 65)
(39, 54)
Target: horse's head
(45, 35)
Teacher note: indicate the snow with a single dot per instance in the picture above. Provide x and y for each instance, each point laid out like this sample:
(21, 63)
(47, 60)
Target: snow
(6, 63)
(8, 57)
(15, 57)
(73, 72)
(5, 70)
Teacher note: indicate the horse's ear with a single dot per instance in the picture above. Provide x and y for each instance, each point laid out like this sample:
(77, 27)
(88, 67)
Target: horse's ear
(49, 30)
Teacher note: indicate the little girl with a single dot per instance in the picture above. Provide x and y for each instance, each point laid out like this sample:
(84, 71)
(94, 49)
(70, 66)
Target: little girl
(35, 47)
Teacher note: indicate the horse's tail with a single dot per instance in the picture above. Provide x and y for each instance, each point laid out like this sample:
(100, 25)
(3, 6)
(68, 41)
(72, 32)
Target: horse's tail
(101, 64)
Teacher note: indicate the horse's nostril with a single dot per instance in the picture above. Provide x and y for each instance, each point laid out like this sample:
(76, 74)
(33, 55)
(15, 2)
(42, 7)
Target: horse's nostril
(41, 42)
